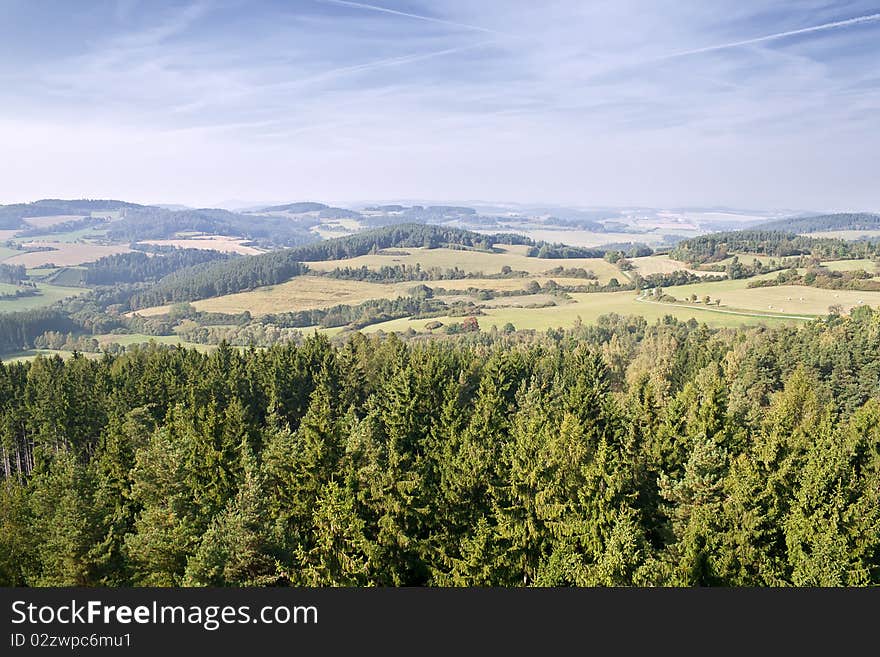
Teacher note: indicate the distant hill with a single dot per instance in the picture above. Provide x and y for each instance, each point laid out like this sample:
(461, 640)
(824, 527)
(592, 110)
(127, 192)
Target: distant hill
(822, 222)
(296, 208)
(13, 216)
(151, 222)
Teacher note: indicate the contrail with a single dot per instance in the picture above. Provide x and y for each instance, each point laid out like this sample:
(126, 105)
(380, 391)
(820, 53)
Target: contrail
(779, 35)
(385, 10)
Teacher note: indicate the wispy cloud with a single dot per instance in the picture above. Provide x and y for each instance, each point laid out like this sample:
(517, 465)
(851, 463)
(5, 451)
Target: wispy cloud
(850, 22)
(596, 102)
(405, 14)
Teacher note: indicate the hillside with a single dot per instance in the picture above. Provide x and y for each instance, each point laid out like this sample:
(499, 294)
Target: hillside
(825, 222)
(278, 266)
(715, 247)
(14, 216)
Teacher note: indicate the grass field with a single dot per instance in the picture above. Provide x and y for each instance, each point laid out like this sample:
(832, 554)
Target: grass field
(70, 236)
(311, 292)
(662, 264)
(785, 299)
(41, 271)
(300, 293)
(50, 294)
(104, 340)
(209, 243)
(475, 261)
(64, 254)
(587, 308)
(31, 354)
(852, 265)
(6, 253)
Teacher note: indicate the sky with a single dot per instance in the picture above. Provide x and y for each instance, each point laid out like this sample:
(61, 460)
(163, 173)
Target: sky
(663, 103)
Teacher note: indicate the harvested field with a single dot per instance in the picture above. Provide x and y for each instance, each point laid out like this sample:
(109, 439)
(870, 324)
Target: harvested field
(64, 254)
(220, 243)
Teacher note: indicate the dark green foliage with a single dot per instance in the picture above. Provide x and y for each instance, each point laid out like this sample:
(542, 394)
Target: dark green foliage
(137, 267)
(149, 222)
(718, 246)
(557, 251)
(18, 330)
(13, 274)
(614, 454)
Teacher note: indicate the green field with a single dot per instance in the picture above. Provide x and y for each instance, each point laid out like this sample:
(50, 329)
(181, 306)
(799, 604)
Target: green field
(586, 308)
(81, 234)
(30, 354)
(106, 339)
(127, 339)
(50, 294)
(6, 252)
(852, 265)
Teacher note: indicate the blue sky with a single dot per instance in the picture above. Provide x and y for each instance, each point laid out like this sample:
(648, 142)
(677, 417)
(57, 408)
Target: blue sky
(770, 104)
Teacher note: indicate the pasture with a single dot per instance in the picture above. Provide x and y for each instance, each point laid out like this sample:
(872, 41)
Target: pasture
(49, 295)
(6, 253)
(852, 265)
(586, 308)
(784, 299)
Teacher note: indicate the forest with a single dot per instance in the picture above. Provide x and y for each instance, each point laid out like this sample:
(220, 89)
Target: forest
(618, 453)
(718, 246)
(838, 221)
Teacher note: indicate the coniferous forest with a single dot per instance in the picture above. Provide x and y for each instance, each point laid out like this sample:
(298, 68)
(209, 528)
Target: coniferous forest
(622, 453)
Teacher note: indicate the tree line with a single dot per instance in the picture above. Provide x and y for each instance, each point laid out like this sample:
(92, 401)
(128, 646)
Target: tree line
(138, 267)
(719, 246)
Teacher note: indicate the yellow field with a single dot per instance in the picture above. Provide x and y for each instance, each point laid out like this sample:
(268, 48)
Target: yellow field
(587, 308)
(49, 295)
(300, 293)
(7, 234)
(662, 264)
(475, 261)
(45, 222)
(65, 254)
(786, 299)
(312, 292)
(210, 243)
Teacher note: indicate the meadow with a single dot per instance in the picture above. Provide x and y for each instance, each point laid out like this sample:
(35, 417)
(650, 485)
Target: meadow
(585, 308)
(49, 295)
